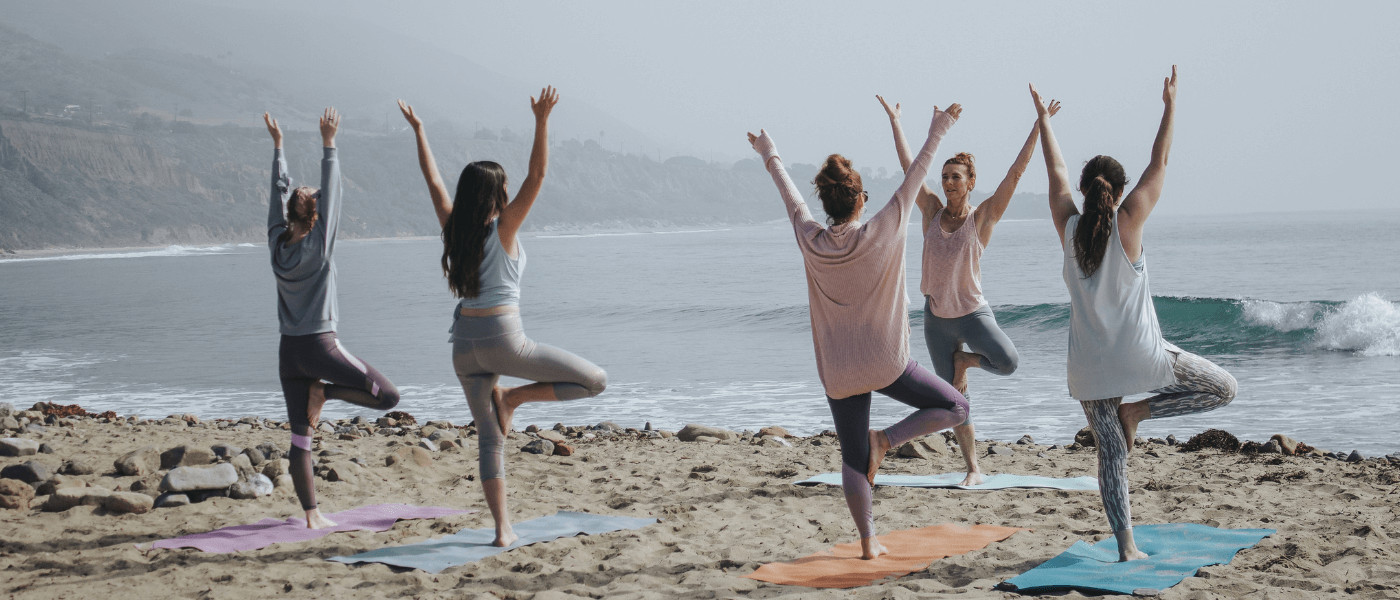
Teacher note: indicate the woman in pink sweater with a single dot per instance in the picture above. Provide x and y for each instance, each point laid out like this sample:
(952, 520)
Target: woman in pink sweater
(859, 311)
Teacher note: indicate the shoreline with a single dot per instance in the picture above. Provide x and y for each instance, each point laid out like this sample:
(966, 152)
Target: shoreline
(726, 505)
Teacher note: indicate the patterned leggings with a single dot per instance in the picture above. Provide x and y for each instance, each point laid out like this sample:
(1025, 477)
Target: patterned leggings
(1201, 386)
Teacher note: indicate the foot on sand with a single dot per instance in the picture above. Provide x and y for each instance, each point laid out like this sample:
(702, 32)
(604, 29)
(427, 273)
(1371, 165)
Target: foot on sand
(314, 520)
(505, 537)
(871, 547)
(879, 445)
(505, 412)
(315, 400)
(962, 361)
(1129, 415)
(973, 478)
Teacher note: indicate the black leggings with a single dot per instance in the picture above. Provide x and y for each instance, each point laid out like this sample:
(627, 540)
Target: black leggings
(306, 359)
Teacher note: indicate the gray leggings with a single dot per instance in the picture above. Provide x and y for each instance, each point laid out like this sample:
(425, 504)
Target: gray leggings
(1201, 386)
(484, 349)
(978, 329)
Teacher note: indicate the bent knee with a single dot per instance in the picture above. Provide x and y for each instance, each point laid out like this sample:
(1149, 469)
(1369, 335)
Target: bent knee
(1005, 364)
(388, 398)
(596, 383)
(1229, 386)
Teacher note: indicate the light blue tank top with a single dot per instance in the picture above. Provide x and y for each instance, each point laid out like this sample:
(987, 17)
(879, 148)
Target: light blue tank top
(499, 274)
(1115, 342)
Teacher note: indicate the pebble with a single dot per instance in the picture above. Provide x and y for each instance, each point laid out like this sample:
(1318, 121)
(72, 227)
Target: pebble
(255, 456)
(171, 500)
(1287, 444)
(45, 449)
(244, 466)
(1025, 440)
(275, 468)
(18, 447)
(532, 428)
(1355, 457)
(427, 444)
(187, 479)
(1085, 437)
(270, 451)
(256, 486)
(284, 481)
(544, 447)
(705, 439)
(692, 433)
(58, 482)
(225, 451)
(343, 470)
(911, 450)
(647, 427)
(1171, 440)
(67, 498)
(608, 426)
(1273, 447)
(563, 450)
(443, 434)
(551, 435)
(128, 502)
(1042, 454)
(774, 441)
(1002, 450)
(9, 423)
(387, 422)
(34, 428)
(186, 456)
(6, 409)
(15, 495)
(30, 471)
(774, 430)
(447, 445)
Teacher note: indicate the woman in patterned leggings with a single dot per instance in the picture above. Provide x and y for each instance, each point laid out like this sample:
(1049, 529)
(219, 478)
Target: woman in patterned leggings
(1115, 343)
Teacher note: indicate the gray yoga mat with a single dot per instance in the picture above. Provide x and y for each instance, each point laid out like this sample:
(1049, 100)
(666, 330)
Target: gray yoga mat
(950, 480)
(471, 545)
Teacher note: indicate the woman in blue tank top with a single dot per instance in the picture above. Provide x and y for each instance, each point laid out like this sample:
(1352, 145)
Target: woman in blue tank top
(483, 260)
(1115, 343)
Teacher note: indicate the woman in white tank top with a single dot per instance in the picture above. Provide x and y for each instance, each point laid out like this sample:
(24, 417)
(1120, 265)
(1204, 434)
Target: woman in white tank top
(1115, 343)
(956, 316)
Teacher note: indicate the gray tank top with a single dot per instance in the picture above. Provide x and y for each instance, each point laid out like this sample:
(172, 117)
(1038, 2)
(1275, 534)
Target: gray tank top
(499, 273)
(1115, 343)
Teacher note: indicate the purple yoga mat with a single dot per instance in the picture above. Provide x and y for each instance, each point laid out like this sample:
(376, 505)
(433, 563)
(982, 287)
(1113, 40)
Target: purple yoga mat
(264, 533)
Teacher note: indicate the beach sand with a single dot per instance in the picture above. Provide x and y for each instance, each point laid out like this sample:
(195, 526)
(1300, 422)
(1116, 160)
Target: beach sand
(725, 508)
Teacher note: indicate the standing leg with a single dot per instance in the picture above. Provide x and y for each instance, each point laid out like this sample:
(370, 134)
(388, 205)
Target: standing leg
(1200, 386)
(951, 364)
(940, 407)
(480, 388)
(852, 417)
(988, 349)
(1113, 472)
(296, 391)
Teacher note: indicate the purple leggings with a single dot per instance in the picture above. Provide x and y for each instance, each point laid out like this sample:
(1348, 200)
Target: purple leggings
(306, 359)
(940, 407)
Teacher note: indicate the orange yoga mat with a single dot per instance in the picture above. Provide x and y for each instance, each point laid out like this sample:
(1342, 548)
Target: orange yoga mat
(909, 550)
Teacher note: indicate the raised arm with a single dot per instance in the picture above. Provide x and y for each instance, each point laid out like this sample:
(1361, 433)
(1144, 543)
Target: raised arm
(797, 210)
(329, 204)
(1061, 200)
(1132, 215)
(281, 182)
(991, 209)
(927, 200)
(897, 210)
(437, 190)
(514, 215)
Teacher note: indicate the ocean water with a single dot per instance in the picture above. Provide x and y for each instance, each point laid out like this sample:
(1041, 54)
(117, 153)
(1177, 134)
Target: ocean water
(711, 326)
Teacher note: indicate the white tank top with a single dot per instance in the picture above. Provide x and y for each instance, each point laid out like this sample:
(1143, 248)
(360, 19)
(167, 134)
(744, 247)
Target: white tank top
(952, 273)
(1115, 343)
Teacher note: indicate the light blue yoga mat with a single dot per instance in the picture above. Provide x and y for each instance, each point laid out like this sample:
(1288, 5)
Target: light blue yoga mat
(950, 480)
(1175, 551)
(470, 545)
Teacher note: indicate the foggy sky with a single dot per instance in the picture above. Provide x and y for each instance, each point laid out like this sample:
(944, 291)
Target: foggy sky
(1282, 106)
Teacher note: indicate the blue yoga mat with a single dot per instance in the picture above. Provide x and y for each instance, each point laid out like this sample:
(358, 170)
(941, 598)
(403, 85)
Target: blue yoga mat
(1175, 551)
(470, 545)
(951, 480)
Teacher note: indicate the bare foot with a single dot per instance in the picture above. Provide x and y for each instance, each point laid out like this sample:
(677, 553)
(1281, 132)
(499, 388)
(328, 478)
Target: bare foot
(871, 547)
(973, 478)
(1127, 547)
(505, 413)
(1135, 554)
(314, 401)
(505, 537)
(962, 361)
(1129, 415)
(315, 520)
(879, 445)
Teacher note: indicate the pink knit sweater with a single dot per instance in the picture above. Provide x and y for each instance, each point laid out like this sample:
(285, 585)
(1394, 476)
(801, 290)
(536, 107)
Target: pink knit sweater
(855, 278)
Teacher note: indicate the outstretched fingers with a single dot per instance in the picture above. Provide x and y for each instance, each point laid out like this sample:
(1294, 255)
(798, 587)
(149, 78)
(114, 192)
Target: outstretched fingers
(955, 110)
(892, 112)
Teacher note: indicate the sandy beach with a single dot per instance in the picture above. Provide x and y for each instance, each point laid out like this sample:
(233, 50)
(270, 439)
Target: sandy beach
(724, 507)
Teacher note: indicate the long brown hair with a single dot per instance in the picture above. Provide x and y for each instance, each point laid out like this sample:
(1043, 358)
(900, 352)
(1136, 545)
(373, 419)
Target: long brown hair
(1102, 181)
(839, 187)
(481, 194)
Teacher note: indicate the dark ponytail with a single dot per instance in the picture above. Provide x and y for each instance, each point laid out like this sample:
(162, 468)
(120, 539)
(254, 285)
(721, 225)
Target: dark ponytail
(301, 209)
(481, 195)
(839, 187)
(1102, 183)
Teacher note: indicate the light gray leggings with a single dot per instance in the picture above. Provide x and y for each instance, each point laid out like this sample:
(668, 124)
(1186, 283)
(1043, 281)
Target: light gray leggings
(1200, 386)
(484, 349)
(978, 329)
